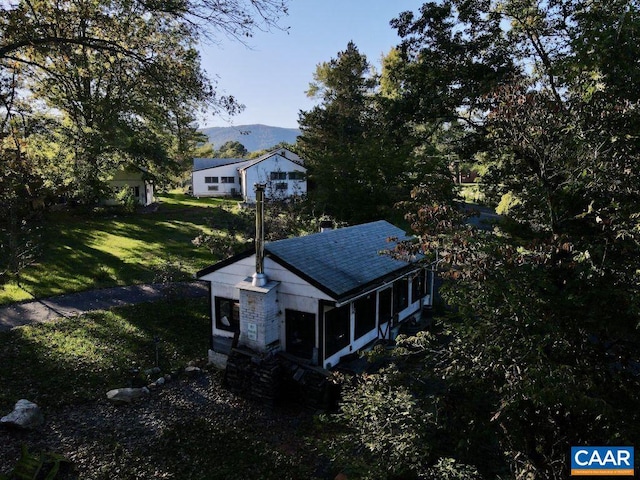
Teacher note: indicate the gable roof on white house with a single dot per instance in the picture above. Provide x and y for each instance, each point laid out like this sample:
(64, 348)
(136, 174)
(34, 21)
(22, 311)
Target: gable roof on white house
(341, 263)
(243, 163)
(283, 152)
(206, 163)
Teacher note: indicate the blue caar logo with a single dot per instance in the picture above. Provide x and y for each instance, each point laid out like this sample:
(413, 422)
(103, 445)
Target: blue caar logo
(598, 461)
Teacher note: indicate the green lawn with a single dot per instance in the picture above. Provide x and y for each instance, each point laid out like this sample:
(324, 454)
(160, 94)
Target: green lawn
(88, 251)
(74, 362)
(78, 359)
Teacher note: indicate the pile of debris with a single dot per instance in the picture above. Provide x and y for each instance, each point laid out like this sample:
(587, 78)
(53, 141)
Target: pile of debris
(280, 377)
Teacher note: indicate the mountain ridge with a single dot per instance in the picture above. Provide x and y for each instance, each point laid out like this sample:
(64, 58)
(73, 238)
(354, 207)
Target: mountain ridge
(254, 137)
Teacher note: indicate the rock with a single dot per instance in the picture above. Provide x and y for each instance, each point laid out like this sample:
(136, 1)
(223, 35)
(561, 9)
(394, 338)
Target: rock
(167, 377)
(121, 396)
(152, 371)
(25, 415)
(160, 381)
(192, 371)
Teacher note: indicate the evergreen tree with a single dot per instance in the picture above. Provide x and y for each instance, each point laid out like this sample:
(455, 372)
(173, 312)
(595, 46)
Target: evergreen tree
(357, 164)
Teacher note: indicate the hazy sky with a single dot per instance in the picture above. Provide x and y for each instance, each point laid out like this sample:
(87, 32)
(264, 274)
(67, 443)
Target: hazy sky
(270, 78)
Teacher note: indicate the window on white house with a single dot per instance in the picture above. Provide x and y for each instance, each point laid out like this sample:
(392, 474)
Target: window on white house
(227, 179)
(365, 308)
(420, 285)
(278, 175)
(385, 307)
(425, 283)
(213, 188)
(401, 294)
(301, 333)
(337, 329)
(281, 186)
(296, 175)
(210, 179)
(416, 287)
(227, 314)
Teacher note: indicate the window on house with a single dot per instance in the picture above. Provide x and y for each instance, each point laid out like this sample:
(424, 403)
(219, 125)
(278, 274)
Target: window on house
(210, 179)
(281, 186)
(385, 310)
(365, 310)
(296, 175)
(136, 192)
(337, 329)
(278, 175)
(213, 188)
(228, 179)
(401, 294)
(426, 290)
(416, 286)
(301, 333)
(227, 314)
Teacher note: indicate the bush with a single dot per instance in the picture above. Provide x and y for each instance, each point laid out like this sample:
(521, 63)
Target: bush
(127, 199)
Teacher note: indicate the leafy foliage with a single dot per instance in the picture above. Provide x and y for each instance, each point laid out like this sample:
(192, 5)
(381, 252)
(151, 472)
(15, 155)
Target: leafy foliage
(356, 153)
(546, 307)
(33, 467)
(233, 230)
(231, 149)
(123, 82)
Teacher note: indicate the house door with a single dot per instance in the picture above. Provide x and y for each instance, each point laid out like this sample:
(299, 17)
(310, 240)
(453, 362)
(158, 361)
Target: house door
(301, 333)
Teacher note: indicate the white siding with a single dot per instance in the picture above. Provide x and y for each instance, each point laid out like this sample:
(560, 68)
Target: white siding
(293, 292)
(297, 294)
(261, 173)
(202, 189)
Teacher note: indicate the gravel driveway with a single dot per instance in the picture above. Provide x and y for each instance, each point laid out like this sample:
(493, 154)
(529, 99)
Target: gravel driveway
(78, 303)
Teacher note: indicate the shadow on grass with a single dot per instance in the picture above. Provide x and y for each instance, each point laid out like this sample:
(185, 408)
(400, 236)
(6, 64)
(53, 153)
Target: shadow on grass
(79, 359)
(226, 452)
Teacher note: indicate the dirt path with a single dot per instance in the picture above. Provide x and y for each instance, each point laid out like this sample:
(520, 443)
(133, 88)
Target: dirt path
(73, 304)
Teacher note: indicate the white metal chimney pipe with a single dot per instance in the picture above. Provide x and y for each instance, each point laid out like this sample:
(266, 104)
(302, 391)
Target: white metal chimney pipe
(259, 278)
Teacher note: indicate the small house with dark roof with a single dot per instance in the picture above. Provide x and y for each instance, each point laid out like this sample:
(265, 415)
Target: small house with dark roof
(318, 297)
(281, 170)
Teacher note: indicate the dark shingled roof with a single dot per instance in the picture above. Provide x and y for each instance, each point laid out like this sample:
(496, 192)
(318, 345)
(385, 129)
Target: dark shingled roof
(345, 261)
(342, 263)
(204, 163)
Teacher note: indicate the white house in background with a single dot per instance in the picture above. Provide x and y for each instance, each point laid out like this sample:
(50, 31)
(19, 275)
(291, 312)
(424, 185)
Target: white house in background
(137, 179)
(320, 297)
(281, 170)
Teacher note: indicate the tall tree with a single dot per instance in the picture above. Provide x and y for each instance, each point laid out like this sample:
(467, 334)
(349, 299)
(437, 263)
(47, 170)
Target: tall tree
(354, 162)
(536, 90)
(123, 77)
(543, 350)
(126, 76)
(231, 149)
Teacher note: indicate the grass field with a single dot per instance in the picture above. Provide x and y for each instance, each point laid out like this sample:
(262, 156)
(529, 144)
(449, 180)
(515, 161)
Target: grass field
(80, 358)
(99, 250)
(67, 366)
